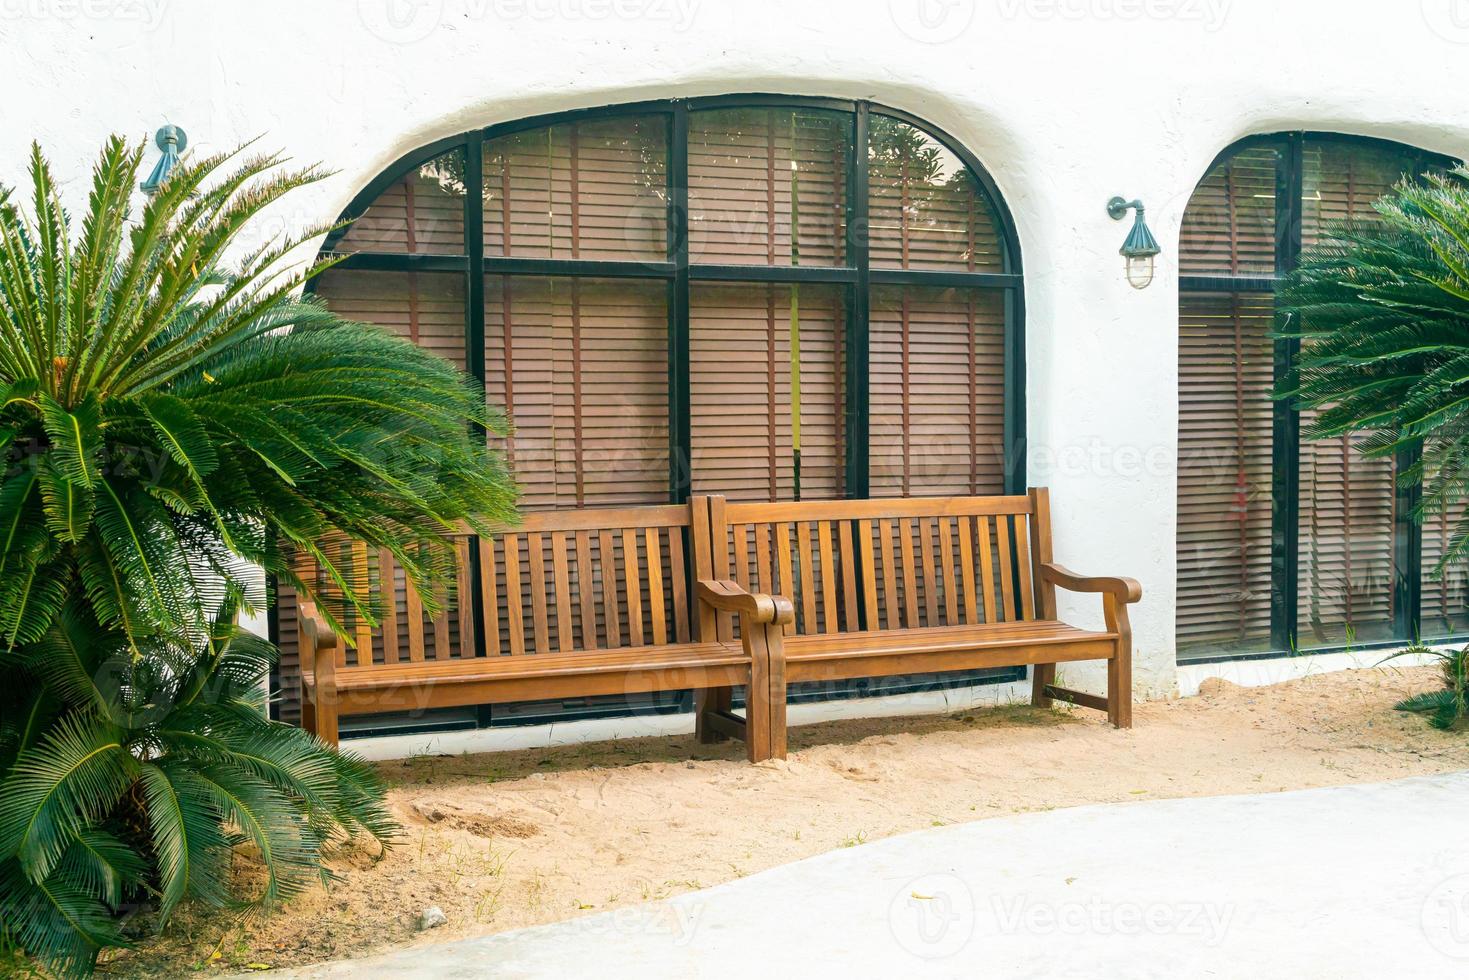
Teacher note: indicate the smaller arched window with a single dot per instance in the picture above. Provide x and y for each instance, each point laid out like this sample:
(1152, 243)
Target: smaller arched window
(1282, 543)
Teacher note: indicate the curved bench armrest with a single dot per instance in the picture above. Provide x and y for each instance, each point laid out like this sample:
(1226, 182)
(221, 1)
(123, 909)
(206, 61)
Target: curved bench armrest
(731, 597)
(1124, 590)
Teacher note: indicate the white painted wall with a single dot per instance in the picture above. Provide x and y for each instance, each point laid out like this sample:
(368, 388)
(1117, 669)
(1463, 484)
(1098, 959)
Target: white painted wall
(1067, 102)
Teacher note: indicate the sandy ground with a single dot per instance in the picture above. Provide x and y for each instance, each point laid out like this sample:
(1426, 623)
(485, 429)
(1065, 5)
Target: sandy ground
(500, 841)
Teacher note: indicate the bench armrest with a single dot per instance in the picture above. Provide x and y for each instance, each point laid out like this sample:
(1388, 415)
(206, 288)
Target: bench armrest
(731, 597)
(1124, 590)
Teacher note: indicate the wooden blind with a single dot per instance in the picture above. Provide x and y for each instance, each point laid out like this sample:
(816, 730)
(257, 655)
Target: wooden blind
(1229, 225)
(1225, 372)
(745, 431)
(586, 190)
(1348, 502)
(768, 186)
(422, 213)
(925, 211)
(1444, 610)
(937, 391)
(580, 366)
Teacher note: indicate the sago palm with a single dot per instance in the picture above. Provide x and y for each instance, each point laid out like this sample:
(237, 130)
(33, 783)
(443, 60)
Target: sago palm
(174, 419)
(1381, 307)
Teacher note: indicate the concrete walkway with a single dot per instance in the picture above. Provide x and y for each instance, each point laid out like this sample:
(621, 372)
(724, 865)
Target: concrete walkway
(1354, 881)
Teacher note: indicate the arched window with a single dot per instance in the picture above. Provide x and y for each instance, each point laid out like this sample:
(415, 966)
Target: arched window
(1283, 544)
(761, 296)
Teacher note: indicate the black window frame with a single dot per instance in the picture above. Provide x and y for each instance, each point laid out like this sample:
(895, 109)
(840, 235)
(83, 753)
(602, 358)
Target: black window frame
(1290, 150)
(857, 277)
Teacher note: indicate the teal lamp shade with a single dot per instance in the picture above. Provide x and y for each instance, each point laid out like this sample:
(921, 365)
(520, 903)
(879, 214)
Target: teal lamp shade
(1140, 247)
(172, 141)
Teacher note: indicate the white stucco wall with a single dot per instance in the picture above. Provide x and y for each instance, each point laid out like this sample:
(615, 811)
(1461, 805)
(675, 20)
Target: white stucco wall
(1067, 102)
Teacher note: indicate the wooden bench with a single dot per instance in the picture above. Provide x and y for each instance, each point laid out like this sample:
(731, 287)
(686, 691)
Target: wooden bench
(712, 595)
(889, 587)
(572, 604)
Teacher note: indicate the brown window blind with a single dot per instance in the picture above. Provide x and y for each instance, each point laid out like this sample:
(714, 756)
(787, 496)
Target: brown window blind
(425, 307)
(1347, 501)
(585, 190)
(743, 390)
(1229, 225)
(937, 361)
(1225, 376)
(580, 366)
(925, 211)
(1444, 609)
(768, 186)
(422, 213)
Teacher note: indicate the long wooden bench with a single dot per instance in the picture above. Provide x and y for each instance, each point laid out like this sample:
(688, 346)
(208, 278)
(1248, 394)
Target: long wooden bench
(712, 595)
(572, 604)
(892, 587)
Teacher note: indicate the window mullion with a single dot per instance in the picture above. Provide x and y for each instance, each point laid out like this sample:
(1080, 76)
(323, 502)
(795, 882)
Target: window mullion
(680, 433)
(859, 299)
(1286, 418)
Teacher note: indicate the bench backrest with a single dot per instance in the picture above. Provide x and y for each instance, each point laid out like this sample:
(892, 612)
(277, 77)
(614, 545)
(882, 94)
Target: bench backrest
(850, 565)
(562, 582)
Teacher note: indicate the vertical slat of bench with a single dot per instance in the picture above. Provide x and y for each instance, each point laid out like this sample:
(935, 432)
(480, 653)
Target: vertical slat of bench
(889, 575)
(656, 610)
(535, 552)
(387, 577)
(514, 596)
(763, 567)
(869, 577)
(678, 572)
(828, 577)
(586, 588)
(930, 577)
(784, 574)
(906, 530)
(808, 578)
(966, 570)
(845, 530)
(1007, 570)
(362, 633)
(740, 555)
(947, 571)
(702, 535)
(1040, 549)
(414, 611)
(986, 569)
(611, 616)
(489, 600)
(561, 577)
(1022, 564)
(464, 601)
(634, 585)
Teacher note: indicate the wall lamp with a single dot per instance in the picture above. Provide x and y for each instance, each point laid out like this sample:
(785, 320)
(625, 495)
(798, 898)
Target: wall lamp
(1140, 247)
(172, 141)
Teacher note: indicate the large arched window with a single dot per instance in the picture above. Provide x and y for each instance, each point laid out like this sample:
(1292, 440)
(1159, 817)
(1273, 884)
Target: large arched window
(1284, 544)
(761, 296)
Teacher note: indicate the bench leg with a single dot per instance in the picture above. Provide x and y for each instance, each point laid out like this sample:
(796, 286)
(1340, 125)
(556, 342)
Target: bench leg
(765, 702)
(325, 708)
(1119, 668)
(1041, 676)
(710, 700)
